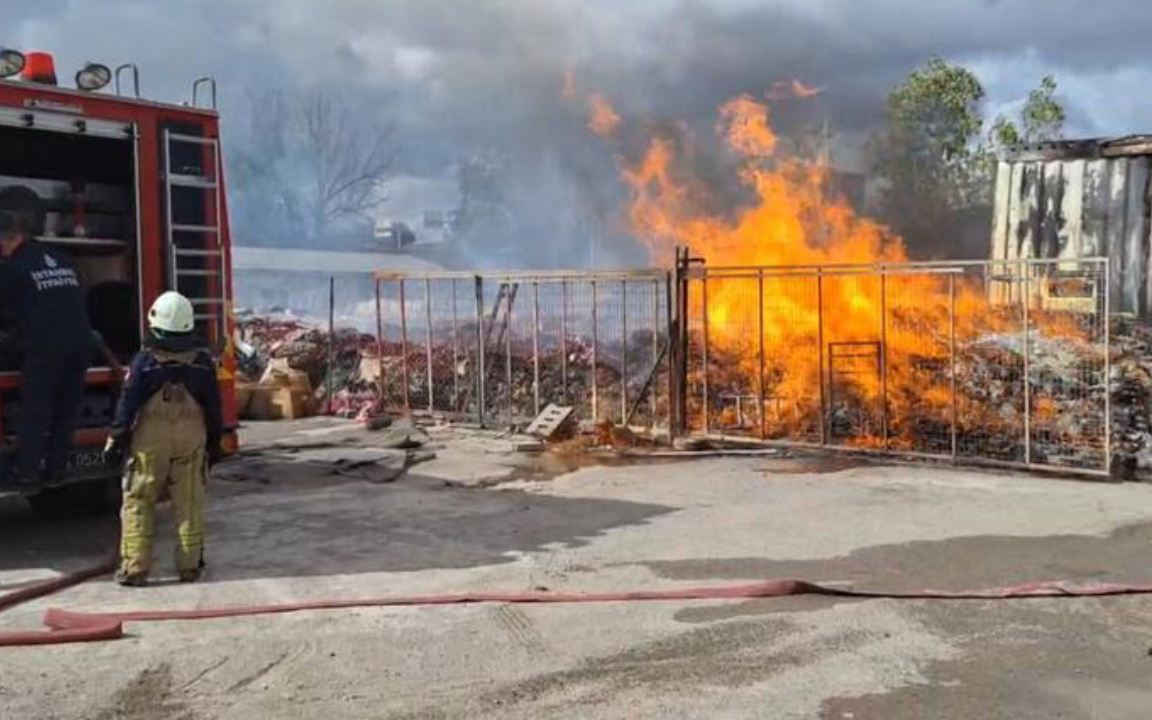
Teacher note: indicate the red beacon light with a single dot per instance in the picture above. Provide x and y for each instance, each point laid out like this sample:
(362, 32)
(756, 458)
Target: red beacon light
(39, 67)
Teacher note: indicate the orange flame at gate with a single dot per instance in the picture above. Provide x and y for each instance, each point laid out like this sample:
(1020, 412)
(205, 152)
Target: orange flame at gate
(793, 220)
(878, 341)
(855, 334)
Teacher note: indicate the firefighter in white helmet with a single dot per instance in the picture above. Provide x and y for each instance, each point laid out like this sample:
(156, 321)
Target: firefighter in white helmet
(168, 422)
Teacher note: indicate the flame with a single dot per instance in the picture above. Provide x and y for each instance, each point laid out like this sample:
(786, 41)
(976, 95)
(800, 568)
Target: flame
(818, 335)
(568, 86)
(791, 222)
(876, 345)
(603, 120)
(792, 88)
(745, 123)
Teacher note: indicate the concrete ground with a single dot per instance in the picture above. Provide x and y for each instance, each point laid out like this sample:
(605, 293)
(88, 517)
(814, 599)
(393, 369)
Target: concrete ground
(293, 524)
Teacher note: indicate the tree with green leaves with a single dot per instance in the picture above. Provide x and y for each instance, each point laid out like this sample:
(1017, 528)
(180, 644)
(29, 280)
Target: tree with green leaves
(1042, 118)
(938, 161)
(931, 156)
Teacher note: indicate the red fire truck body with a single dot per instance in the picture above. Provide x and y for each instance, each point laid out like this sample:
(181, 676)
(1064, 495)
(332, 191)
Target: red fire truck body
(134, 192)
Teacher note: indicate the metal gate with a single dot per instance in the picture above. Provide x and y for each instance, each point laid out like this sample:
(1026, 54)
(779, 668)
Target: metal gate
(1002, 362)
(498, 347)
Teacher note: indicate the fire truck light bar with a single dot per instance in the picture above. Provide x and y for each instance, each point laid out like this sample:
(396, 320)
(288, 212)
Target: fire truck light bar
(93, 76)
(11, 62)
(39, 67)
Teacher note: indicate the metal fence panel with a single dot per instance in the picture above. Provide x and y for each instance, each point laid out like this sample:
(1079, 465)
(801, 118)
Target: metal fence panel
(499, 347)
(1001, 362)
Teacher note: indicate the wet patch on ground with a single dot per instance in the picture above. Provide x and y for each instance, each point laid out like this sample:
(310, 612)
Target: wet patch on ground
(544, 466)
(954, 564)
(813, 464)
(149, 696)
(786, 652)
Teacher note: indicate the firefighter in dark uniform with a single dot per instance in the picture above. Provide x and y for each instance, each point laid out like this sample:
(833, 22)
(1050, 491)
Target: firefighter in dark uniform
(41, 289)
(169, 422)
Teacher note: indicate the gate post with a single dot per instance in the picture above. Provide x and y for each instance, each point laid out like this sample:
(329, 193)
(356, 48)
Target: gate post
(428, 342)
(623, 352)
(820, 352)
(330, 379)
(760, 338)
(704, 354)
(671, 290)
(404, 348)
(1107, 275)
(379, 347)
(595, 359)
(884, 355)
(1027, 351)
(952, 359)
(480, 401)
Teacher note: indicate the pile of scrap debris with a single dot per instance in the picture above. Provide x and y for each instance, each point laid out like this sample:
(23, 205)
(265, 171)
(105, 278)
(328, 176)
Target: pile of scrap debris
(285, 372)
(1068, 393)
(1131, 387)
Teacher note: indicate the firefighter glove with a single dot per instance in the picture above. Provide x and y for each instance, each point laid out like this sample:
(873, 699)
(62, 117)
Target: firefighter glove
(116, 443)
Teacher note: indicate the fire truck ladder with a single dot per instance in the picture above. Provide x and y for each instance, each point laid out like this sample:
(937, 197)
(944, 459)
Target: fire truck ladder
(196, 262)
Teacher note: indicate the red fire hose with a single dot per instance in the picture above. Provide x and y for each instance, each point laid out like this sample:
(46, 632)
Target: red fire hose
(68, 627)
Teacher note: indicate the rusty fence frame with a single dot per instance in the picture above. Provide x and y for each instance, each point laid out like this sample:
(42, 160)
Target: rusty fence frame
(1020, 282)
(474, 323)
(432, 346)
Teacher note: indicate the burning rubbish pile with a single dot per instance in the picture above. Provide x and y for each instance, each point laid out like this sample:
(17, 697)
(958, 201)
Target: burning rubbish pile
(979, 384)
(285, 372)
(1131, 388)
(859, 355)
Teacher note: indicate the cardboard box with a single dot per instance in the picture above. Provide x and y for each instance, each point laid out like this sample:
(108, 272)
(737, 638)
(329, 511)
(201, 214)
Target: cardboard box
(260, 404)
(275, 372)
(243, 394)
(279, 402)
(291, 403)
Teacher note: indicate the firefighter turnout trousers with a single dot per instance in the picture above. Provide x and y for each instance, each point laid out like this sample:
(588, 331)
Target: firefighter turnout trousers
(167, 450)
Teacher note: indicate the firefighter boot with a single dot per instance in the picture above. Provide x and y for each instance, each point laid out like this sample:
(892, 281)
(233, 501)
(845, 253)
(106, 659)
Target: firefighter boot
(127, 579)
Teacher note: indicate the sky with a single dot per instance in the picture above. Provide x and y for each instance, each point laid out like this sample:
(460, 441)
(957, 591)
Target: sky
(457, 77)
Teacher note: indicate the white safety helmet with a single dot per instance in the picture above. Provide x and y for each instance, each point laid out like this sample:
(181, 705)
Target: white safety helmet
(172, 312)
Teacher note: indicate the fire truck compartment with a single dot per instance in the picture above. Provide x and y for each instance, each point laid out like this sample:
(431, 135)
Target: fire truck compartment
(87, 184)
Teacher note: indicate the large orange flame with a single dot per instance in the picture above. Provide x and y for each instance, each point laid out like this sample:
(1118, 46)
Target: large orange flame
(793, 220)
(882, 341)
(815, 345)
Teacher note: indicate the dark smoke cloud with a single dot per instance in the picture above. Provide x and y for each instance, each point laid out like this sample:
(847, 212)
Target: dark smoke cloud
(457, 78)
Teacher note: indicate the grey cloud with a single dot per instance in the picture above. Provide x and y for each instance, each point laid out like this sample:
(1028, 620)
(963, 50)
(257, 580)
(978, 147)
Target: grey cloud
(459, 76)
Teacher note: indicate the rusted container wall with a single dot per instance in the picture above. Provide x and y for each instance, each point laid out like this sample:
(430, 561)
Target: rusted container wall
(1075, 200)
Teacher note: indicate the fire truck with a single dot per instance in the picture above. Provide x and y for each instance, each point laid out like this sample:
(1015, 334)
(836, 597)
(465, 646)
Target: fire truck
(134, 192)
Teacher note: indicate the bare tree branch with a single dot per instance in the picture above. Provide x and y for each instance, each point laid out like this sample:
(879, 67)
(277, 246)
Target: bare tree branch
(349, 157)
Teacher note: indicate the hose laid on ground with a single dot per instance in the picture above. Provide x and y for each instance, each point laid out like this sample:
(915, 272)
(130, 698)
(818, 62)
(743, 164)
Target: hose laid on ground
(52, 586)
(67, 627)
